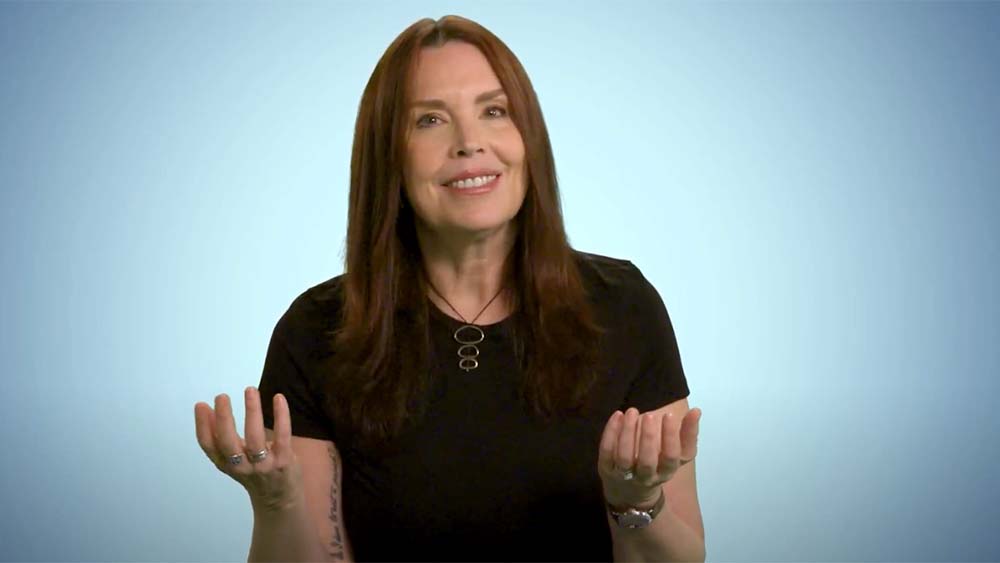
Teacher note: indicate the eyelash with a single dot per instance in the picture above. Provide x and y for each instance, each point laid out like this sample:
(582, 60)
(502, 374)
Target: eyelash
(419, 120)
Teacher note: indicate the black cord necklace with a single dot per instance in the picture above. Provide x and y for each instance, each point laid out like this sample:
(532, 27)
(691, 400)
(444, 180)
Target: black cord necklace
(467, 350)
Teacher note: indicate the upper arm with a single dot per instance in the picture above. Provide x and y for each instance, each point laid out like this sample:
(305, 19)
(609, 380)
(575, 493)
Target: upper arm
(681, 489)
(321, 477)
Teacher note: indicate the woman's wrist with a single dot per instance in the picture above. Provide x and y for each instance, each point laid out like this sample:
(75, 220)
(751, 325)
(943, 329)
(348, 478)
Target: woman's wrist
(644, 502)
(278, 506)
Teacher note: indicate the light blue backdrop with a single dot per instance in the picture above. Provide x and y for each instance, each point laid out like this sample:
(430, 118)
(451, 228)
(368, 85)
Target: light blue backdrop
(812, 187)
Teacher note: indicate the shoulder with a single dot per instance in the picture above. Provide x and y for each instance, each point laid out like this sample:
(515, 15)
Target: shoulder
(609, 279)
(313, 314)
(608, 270)
(324, 296)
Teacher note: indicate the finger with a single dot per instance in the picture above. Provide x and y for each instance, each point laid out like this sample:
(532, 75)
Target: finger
(670, 444)
(649, 448)
(625, 456)
(226, 438)
(253, 428)
(609, 443)
(674, 442)
(282, 426)
(689, 435)
(204, 425)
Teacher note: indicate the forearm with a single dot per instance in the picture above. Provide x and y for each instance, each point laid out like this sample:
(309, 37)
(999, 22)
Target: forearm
(667, 538)
(286, 535)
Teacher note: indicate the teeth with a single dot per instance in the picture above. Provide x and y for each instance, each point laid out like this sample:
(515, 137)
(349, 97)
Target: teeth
(473, 182)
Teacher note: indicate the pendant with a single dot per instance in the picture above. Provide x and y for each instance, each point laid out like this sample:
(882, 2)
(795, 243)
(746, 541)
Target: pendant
(468, 350)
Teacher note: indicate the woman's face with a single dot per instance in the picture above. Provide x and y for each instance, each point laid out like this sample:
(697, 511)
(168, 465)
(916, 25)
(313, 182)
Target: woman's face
(465, 129)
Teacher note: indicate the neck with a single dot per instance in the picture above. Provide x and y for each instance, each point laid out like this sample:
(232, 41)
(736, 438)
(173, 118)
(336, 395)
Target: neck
(467, 270)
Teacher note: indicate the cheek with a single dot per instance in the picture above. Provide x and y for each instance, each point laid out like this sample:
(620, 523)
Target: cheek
(421, 161)
(511, 150)
(515, 159)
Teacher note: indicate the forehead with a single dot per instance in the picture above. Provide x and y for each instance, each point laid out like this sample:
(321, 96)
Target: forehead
(455, 68)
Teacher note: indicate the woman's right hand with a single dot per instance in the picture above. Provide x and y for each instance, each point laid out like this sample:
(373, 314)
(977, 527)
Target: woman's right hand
(274, 482)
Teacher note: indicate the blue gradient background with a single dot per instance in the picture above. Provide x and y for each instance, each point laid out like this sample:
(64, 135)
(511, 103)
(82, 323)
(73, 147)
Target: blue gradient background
(812, 187)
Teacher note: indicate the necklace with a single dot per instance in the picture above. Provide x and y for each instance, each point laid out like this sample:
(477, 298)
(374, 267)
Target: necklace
(467, 350)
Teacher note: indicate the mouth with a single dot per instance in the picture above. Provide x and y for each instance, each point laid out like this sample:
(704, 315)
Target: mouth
(477, 185)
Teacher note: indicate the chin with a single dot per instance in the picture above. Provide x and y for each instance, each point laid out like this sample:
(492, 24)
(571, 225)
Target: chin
(483, 226)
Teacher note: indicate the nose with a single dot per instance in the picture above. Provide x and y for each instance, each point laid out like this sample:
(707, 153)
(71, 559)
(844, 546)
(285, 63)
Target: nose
(467, 139)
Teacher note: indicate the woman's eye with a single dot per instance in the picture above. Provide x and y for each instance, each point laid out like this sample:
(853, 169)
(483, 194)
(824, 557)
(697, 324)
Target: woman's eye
(422, 122)
(501, 111)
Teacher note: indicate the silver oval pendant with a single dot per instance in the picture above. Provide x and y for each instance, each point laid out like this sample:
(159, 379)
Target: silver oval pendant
(477, 334)
(468, 350)
(469, 354)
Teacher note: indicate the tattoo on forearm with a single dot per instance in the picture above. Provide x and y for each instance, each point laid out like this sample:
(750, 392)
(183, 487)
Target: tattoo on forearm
(336, 546)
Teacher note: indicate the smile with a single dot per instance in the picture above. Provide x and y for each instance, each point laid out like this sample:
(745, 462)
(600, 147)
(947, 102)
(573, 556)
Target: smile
(478, 185)
(472, 182)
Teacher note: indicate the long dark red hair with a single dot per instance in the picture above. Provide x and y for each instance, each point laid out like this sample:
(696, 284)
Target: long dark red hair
(382, 343)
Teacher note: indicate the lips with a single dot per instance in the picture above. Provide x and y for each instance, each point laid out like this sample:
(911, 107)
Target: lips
(473, 189)
(466, 174)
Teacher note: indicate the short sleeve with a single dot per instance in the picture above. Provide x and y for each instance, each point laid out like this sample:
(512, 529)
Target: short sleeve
(283, 374)
(661, 379)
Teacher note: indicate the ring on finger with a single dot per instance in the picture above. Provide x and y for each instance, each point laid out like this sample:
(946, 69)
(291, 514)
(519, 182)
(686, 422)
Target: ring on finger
(235, 459)
(259, 456)
(628, 475)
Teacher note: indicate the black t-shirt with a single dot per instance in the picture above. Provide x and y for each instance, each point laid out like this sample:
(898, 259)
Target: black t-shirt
(479, 478)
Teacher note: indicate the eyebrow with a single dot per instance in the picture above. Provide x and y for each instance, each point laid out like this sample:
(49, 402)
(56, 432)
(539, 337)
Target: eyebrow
(439, 104)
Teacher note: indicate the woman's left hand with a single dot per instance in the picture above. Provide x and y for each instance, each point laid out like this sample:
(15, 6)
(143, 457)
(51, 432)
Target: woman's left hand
(664, 446)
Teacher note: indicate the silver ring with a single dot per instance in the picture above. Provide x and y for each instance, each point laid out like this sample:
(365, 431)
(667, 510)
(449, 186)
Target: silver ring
(628, 475)
(259, 456)
(235, 459)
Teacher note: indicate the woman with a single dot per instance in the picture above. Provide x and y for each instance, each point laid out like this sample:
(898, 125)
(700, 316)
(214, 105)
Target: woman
(471, 387)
